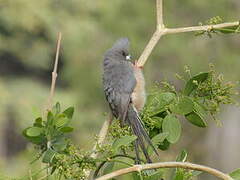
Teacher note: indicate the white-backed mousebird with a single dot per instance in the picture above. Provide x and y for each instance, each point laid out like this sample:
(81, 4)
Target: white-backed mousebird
(124, 87)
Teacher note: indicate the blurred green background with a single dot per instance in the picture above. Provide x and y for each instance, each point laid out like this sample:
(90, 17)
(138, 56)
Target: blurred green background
(28, 32)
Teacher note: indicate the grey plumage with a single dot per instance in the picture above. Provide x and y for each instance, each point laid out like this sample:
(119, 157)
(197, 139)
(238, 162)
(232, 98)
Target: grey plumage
(119, 82)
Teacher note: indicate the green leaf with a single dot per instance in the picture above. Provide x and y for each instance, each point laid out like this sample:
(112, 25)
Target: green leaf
(38, 122)
(228, 30)
(35, 140)
(66, 129)
(33, 131)
(235, 174)
(108, 168)
(156, 175)
(199, 110)
(157, 121)
(179, 175)
(123, 141)
(182, 157)
(156, 140)
(184, 106)
(172, 126)
(196, 173)
(50, 118)
(48, 156)
(61, 120)
(69, 112)
(157, 102)
(191, 85)
(57, 108)
(196, 119)
(164, 145)
(136, 176)
(60, 144)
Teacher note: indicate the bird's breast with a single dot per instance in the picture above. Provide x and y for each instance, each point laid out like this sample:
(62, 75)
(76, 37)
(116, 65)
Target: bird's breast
(139, 95)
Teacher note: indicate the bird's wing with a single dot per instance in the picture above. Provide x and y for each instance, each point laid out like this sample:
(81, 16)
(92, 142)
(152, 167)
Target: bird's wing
(119, 83)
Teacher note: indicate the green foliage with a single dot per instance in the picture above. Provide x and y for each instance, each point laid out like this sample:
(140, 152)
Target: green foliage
(172, 126)
(50, 135)
(161, 117)
(235, 174)
(200, 99)
(123, 141)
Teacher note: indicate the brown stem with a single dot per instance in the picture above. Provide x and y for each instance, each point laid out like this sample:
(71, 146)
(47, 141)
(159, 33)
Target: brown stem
(185, 165)
(54, 73)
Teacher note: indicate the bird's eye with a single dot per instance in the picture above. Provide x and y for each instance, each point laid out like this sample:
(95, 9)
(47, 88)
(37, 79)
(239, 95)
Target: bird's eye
(124, 54)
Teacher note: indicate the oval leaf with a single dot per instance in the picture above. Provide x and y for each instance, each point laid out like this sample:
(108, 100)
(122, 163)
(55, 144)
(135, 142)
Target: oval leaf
(57, 108)
(156, 175)
(182, 157)
(157, 102)
(33, 131)
(196, 119)
(69, 112)
(108, 168)
(66, 129)
(38, 122)
(172, 126)
(123, 141)
(191, 86)
(48, 156)
(60, 145)
(61, 120)
(199, 110)
(184, 106)
(156, 140)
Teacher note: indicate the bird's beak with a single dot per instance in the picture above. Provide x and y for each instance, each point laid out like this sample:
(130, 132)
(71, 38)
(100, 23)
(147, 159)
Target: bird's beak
(128, 57)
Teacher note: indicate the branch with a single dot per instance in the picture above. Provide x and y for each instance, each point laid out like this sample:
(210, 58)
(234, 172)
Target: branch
(101, 137)
(201, 28)
(161, 30)
(155, 37)
(185, 165)
(54, 73)
(53, 84)
(159, 5)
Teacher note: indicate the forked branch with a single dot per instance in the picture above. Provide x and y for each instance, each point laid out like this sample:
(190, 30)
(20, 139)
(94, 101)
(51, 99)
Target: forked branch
(161, 30)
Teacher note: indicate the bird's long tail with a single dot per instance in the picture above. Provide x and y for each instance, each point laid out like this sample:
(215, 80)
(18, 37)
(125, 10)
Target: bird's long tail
(138, 129)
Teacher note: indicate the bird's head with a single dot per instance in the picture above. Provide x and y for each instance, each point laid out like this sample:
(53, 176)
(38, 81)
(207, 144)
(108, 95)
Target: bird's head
(120, 50)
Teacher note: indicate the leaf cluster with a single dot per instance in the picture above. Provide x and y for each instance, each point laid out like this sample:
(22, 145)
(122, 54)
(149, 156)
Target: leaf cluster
(199, 99)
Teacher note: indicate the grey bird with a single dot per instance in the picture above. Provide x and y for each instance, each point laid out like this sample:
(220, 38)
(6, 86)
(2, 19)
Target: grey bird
(124, 88)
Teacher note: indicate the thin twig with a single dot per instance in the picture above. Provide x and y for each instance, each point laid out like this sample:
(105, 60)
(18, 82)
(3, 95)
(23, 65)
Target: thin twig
(30, 174)
(54, 73)
(101, 137)
(201, 28)
(159, 5)
(185, 165)
(161, 30)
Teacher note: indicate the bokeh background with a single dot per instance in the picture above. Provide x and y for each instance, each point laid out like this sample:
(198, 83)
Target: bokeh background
(28, 32)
